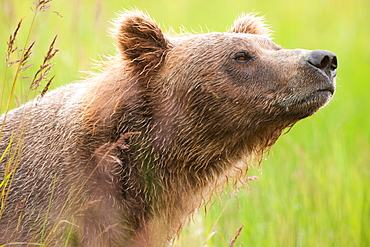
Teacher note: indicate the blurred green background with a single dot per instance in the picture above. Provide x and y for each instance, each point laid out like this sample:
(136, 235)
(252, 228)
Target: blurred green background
(314, 184)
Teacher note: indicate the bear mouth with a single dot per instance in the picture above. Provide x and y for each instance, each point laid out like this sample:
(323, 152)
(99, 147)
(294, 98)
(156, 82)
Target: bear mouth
(322, 95)
(316, 99)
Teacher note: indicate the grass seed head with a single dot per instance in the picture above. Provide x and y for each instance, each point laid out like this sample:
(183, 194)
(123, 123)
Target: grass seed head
(11, 45)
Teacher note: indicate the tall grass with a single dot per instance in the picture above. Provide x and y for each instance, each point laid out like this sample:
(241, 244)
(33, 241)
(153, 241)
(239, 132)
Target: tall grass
(17, 58)
(314, 185)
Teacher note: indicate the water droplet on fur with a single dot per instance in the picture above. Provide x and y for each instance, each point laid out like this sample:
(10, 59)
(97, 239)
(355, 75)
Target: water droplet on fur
(286, 108)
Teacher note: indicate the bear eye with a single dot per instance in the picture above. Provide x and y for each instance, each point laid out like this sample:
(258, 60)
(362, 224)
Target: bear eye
(243, 57)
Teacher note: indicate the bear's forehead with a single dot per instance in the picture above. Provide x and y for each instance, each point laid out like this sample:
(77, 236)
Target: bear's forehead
(225, 40)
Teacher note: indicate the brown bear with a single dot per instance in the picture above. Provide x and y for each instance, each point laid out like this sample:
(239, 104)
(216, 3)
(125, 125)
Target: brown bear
(124, 157)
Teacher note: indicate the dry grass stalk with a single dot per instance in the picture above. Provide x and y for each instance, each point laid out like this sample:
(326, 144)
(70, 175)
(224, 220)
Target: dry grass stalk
(43, 71)
(41, 5)
(11, 43)
(237, 234)
(10, 50)
(40, 75)
(46, 88)
(26, 55)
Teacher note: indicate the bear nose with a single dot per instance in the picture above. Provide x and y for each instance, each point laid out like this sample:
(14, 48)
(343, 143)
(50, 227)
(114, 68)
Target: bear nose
(326, 61)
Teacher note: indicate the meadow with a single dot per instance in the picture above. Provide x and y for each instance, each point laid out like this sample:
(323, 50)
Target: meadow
(314, 185)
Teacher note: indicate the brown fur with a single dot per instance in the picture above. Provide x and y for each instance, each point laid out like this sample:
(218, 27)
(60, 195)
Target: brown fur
(125, 157)
(250, 23)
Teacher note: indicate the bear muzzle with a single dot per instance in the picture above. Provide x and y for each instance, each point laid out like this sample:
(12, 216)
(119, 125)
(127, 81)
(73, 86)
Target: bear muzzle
(314, 88)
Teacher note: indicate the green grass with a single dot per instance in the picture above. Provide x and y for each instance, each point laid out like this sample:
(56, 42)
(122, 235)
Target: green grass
(314, 186)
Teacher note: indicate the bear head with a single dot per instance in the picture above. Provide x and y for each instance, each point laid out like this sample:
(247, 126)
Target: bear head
(215, 96)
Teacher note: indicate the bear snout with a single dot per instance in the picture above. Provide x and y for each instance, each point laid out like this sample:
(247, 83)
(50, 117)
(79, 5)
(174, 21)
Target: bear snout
(325, 61)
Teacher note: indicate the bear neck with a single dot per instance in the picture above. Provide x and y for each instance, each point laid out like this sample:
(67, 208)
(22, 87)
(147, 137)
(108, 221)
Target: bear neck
(168, 164)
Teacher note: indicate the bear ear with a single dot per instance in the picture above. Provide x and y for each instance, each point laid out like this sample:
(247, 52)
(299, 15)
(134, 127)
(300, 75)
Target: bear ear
(250, 23)
(140, 41)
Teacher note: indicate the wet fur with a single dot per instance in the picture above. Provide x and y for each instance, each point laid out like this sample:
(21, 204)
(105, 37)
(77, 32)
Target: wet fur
(130, 153)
